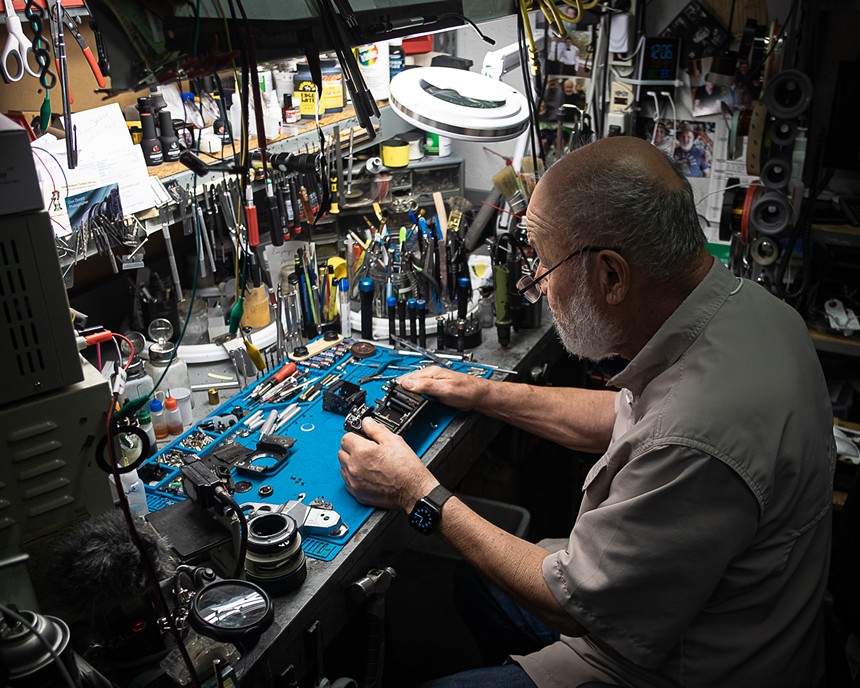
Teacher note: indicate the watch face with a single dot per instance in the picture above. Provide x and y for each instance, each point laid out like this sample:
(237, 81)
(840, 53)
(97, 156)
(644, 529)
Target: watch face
(423, 517)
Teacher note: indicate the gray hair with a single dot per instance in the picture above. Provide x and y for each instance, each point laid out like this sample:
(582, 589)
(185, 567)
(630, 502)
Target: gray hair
(651, 221)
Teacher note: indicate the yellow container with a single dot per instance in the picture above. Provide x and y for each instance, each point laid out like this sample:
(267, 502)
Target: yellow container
(331, 99)
(395, 152)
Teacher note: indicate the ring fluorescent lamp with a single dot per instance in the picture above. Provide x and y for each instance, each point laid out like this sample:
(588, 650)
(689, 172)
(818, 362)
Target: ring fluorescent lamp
(459, 104)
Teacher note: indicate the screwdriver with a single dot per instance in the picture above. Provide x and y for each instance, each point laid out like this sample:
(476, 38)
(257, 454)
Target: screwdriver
(251, 218)
(276, 378)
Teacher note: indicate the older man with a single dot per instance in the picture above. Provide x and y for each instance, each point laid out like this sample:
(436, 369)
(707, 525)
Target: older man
(700, 552)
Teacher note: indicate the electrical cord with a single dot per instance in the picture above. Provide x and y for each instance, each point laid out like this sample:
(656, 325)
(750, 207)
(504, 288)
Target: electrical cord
(224, 497)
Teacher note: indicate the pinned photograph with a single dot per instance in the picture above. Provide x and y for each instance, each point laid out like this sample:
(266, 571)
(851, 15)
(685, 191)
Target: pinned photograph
(694, 148)
(568, 56)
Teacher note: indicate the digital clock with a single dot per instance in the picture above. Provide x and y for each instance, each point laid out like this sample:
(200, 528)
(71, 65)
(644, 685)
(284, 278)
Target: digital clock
(659, 61)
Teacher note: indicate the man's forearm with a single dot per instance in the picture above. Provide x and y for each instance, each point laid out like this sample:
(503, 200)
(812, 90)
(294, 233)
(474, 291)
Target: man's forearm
(513, 564)
(580, 419)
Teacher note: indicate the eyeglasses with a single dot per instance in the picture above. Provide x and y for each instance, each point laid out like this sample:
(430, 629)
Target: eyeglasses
(527, 285)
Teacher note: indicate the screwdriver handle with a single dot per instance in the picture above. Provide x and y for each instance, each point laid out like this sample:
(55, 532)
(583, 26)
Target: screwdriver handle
(253, 227)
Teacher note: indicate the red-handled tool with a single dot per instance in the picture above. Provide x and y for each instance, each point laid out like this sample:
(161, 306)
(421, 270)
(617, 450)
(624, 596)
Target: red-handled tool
(275, 379)
(69, 21)
(251, 218)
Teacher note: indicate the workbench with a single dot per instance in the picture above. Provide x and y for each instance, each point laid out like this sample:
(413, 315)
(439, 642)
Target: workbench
(328, 599)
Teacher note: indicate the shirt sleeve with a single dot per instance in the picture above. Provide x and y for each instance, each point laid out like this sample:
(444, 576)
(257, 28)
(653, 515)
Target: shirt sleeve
(638, 568)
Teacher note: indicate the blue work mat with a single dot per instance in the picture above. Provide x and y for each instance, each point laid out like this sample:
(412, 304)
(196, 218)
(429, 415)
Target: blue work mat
(312, 467)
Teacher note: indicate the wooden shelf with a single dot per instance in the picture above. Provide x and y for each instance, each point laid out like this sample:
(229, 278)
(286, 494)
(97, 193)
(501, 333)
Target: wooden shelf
(835, 344)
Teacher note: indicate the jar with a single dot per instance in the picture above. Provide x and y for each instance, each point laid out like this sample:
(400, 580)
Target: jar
(139, 382)
(177, 373)
(331, 99)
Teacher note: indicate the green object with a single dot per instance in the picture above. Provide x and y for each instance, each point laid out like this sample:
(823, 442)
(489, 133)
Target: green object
(236, 314)
(720, 252)
(45, 111)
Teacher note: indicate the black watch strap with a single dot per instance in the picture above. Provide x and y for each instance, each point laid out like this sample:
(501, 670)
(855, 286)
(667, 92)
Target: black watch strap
(439, 495)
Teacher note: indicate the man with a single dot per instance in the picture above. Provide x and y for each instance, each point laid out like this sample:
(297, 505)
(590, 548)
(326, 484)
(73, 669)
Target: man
(700, 553)
(569, 57)
(694, 161)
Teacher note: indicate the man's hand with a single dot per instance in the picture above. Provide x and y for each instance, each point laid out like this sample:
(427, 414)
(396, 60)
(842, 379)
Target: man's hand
(382, 470)
(457, 390)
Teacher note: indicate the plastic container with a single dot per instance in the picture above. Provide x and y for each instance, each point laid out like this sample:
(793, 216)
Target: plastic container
(343, 307)
(396, 57)
(177, 373)
(144, 421)
(139, 382)
(135, 493)
(372, 60)
(331, 99)
(173, 416)
(183, 400)
(159, 419)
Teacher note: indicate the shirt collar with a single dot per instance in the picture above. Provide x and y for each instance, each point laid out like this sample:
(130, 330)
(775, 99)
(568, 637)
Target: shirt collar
(679, 331)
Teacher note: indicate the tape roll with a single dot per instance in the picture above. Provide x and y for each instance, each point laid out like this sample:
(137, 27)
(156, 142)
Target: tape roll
(770, 213)
(776, 173)
(788, 94)
(752, 191)
(783, 132)
(764, 251)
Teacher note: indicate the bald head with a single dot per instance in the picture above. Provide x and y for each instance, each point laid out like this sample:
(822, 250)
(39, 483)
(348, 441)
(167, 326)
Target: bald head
(621, 192)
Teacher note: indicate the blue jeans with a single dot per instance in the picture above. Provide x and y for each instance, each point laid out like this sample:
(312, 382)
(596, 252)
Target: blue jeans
(500, 628)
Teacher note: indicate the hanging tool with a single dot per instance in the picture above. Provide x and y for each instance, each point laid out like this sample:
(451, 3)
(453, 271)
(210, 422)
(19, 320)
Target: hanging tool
(63, 68)
(101, 49)
(18, 48)
(251, 217)
(69, 21)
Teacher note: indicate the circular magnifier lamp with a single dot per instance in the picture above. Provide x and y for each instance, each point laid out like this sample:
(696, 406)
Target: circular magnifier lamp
(461, 105)
(231, 610)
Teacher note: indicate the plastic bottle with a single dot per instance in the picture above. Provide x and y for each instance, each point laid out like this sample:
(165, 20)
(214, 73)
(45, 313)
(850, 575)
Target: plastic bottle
(396, 57)
(167, 136)
(135, 493)
(159, 356)
(144, 421)
(159, 419)
(139, 382)
(173, 416)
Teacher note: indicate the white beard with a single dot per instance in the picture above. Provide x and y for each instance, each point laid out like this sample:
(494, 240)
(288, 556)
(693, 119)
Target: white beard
(686, 147)
(583, 330)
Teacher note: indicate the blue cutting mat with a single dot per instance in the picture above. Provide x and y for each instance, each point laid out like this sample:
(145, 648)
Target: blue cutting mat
(312, 467)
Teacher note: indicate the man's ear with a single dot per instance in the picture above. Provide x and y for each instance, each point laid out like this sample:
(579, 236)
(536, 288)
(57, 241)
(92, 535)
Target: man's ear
(613, 275)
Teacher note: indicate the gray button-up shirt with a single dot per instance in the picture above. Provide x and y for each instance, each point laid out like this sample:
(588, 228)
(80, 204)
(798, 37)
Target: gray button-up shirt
(701, 550)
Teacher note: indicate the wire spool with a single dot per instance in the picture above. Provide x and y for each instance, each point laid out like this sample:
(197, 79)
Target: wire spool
(770, 213)
(776, 173)
(764, 251)
(750, 196)
(783, 132)
(274, 559)
(788, 94)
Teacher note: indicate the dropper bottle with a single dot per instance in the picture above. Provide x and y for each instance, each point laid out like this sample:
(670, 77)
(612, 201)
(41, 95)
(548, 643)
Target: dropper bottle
(159, 420)
(173, 416)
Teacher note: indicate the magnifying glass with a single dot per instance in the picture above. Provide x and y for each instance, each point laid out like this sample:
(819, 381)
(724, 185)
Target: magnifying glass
(231, 610)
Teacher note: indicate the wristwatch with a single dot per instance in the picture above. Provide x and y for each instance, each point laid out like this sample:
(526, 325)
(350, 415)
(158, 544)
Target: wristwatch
(427, 512)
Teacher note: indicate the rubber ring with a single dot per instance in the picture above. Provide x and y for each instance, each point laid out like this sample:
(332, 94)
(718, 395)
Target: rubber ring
(771, 213)
(788, 94)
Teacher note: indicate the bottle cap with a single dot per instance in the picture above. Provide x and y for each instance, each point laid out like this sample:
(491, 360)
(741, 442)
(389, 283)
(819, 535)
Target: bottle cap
(155, 406)
(170, 403)
(143, 416)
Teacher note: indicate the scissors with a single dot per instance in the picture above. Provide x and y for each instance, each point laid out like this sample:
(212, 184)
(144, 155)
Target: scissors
(18, 48)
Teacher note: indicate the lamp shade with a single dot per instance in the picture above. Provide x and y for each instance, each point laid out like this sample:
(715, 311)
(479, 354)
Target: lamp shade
(461, 105)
